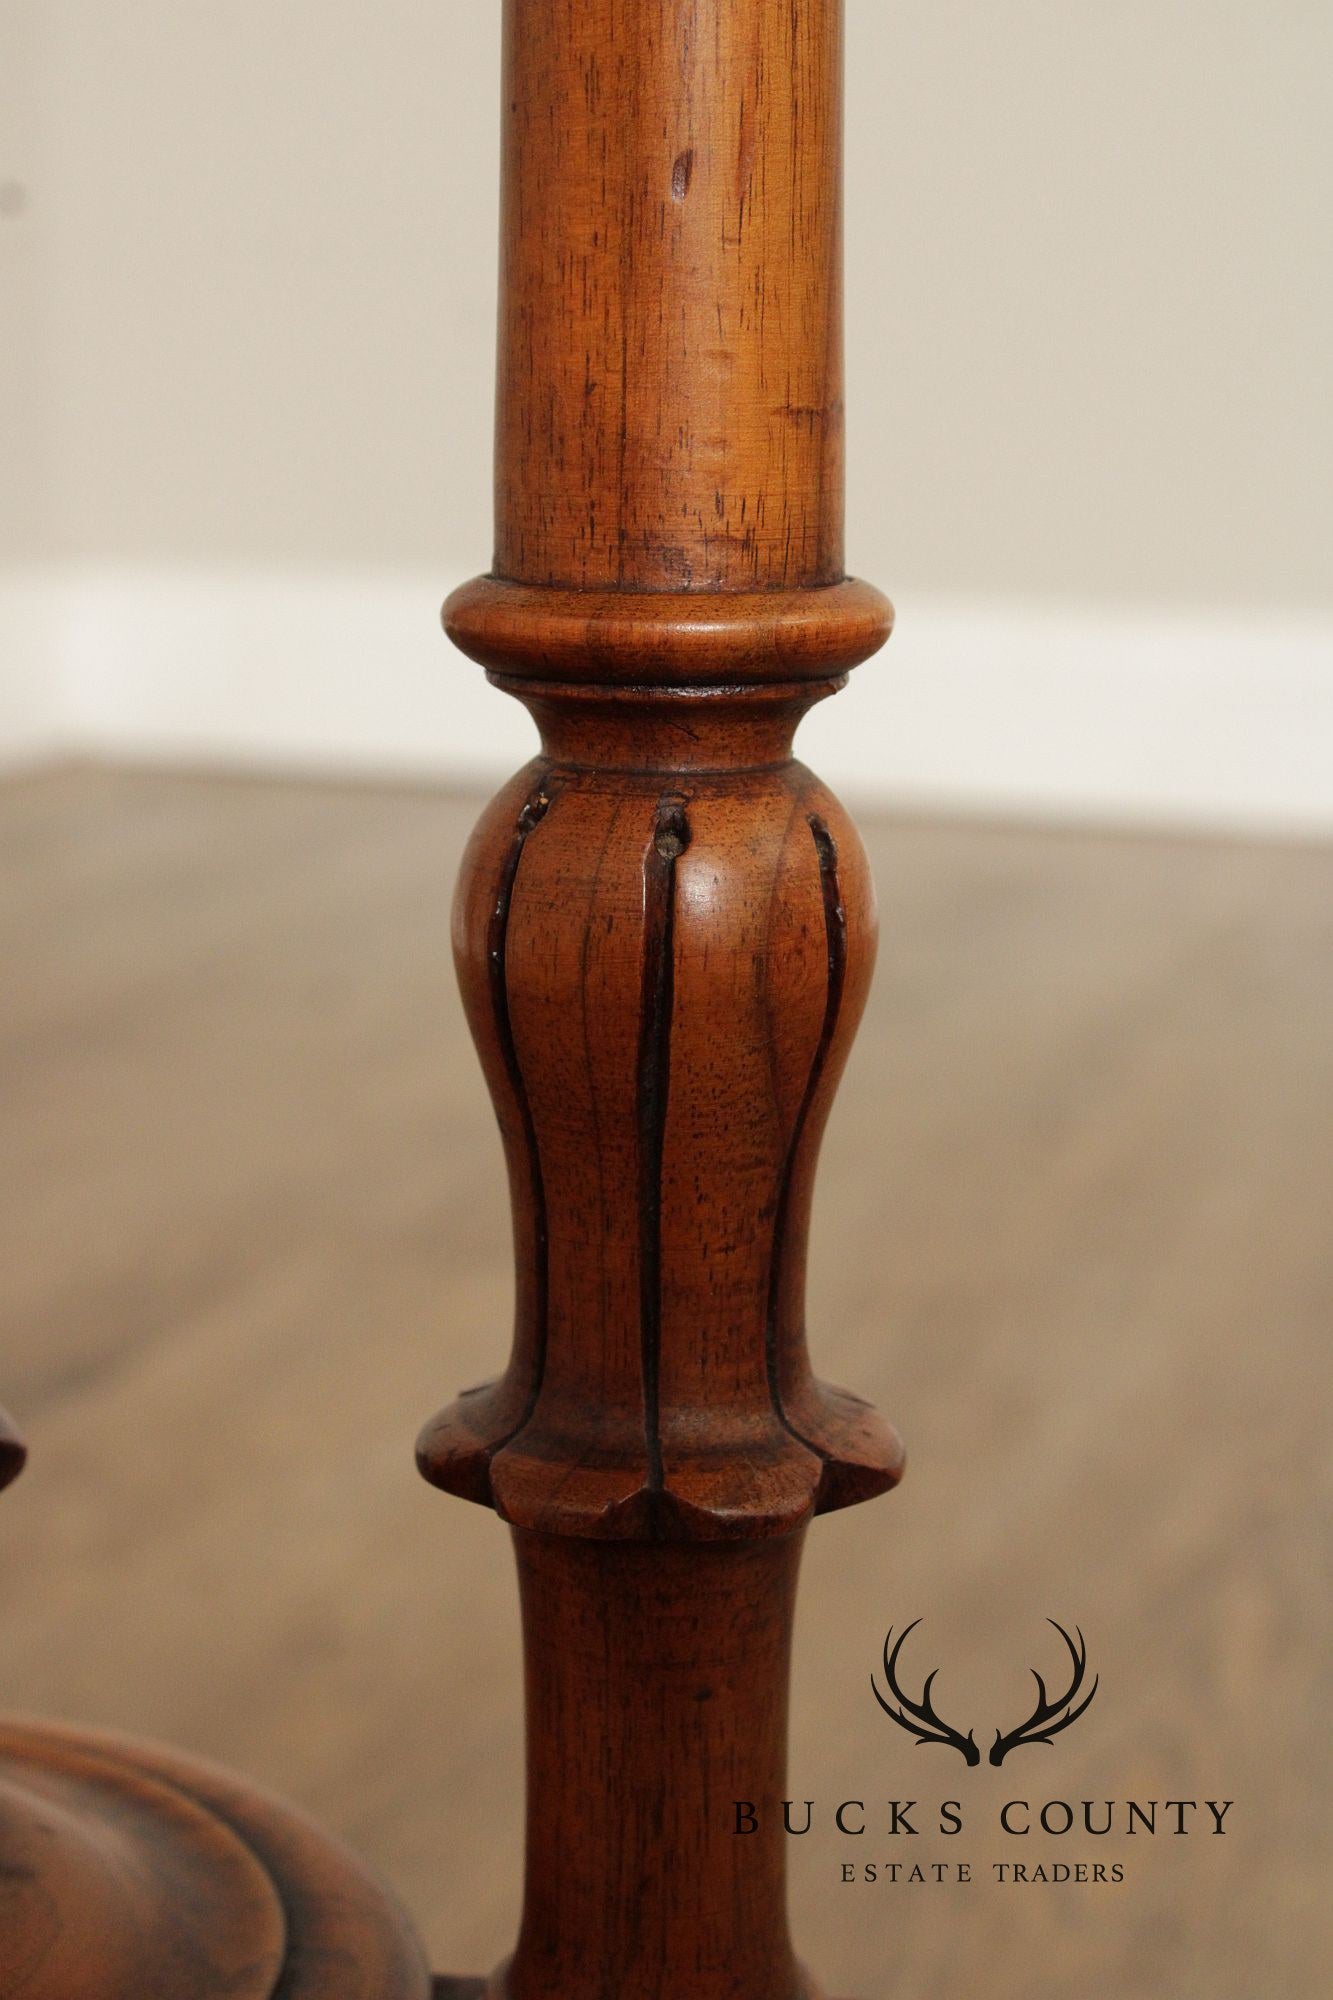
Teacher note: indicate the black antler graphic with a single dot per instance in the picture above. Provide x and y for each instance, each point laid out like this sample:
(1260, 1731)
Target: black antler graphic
(927, 1727)
(1046, 1720)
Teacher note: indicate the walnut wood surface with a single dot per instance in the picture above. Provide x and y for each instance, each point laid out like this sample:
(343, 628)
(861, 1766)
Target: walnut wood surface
(656, 1687)
(671, 638)
(663, 971)
(664, 933)
(670, 381)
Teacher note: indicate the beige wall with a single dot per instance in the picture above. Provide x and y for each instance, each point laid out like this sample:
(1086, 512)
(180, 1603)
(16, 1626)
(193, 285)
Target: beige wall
(248, 320)
(1090, 288)
(1092, 294)
(26, 390)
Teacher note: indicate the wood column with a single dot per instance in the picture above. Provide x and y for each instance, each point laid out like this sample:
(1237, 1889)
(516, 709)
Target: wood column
(664, 932)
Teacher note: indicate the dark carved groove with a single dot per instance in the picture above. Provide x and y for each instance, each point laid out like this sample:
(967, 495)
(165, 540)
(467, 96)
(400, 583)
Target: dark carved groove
(535, 808)
(671, 836)
(835, 936)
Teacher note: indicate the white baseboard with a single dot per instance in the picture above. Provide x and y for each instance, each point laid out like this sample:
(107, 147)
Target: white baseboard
(1085, 713)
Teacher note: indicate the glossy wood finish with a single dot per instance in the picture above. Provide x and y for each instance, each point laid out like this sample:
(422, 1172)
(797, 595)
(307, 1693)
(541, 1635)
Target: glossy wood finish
(664, 933)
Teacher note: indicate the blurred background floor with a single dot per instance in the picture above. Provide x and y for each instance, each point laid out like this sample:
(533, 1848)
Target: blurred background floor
(1072, 1232)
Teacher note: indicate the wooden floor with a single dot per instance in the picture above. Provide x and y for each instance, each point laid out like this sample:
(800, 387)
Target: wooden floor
(1072, 1232)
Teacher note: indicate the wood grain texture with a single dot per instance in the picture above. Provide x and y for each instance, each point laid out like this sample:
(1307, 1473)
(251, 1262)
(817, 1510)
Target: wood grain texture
(663, 972)
(664, 932)
(668, 638)
(670, 380)
(252, 1209)
(656, 1680)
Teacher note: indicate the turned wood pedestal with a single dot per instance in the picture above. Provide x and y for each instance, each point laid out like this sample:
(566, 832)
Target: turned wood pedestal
(664, 932)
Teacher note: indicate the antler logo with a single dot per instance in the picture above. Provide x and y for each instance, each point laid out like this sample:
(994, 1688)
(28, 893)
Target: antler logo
(920, 1719)
(1044, 1724)
(1048, 1718)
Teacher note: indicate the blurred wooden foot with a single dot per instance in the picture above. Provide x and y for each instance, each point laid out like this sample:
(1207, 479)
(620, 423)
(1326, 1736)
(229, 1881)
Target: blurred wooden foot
(127, 1871)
